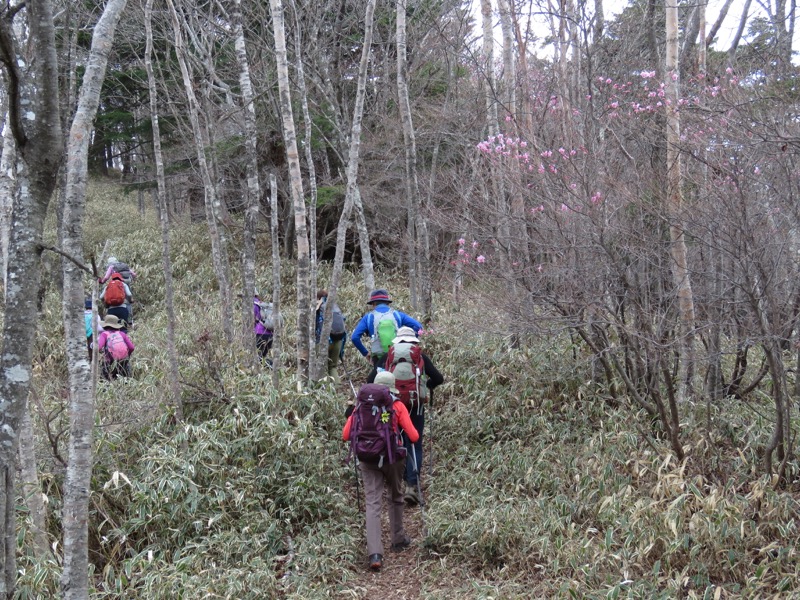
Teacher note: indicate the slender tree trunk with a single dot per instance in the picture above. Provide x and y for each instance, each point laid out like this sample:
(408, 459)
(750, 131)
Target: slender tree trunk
(219, 250)
(277, 338)
(77, 484)
(312, 178)
(410, 145)
(304, 305)
(352, 196)
(253, 185)
(678, 252)
(163, 215)
(34, 117)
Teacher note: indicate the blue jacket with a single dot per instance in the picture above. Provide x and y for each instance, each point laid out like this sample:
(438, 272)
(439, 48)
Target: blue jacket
(366, 327)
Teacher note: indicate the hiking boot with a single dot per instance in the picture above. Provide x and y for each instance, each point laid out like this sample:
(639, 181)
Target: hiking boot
(375, 562)
(412, 496)
(400, 546)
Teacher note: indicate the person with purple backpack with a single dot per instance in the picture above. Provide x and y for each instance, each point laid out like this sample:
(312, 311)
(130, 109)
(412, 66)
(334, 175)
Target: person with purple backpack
(373, 430)
(264, 327)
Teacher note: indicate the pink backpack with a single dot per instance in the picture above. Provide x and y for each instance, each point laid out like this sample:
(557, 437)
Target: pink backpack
(116, 347)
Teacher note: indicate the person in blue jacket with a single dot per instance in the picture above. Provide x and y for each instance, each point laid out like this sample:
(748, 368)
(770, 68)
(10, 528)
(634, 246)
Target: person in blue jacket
(380, 300)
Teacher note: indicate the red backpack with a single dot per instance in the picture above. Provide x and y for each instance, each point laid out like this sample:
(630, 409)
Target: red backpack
(115, 291)
(404, 361)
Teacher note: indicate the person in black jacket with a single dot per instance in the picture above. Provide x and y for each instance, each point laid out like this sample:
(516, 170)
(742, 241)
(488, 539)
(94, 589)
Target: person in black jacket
(432, 378)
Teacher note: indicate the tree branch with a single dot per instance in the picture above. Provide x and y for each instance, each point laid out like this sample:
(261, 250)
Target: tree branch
(93, 271)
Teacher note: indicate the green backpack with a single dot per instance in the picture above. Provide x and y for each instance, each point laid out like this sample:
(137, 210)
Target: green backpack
(384, 325)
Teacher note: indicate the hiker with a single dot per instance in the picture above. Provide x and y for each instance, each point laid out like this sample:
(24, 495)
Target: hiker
(128, 275)
(116, 266)
(87, 319)
(415, 377)
(116, 295)
(381, 325)
(116, 347)
(373, 429)
(264, 327)
(337, 337)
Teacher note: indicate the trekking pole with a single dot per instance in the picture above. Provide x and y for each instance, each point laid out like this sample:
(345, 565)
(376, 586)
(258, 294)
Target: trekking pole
(419, 491)
(349, 380)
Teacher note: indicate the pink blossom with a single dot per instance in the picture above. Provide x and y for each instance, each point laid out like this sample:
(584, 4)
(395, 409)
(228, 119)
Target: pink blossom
(608, 81)
(474, 244)
(756, 170)
(729, 70)
(539, 268)
(572, 186)
(597, 197)
(508, 118)
(461, 241)
(481, 258)
(564, 207)
(523, 144)
(461, 251)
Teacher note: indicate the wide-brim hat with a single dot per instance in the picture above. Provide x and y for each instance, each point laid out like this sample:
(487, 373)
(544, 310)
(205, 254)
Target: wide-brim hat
(406, 334)
(113, 322)
(379, 296)
(386, 378)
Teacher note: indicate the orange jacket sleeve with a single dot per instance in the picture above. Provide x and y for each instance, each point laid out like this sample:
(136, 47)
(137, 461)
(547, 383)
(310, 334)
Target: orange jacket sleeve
(404, 420)
(346, 430)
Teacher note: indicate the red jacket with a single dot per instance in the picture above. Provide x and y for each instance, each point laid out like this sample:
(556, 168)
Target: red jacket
(401, 417)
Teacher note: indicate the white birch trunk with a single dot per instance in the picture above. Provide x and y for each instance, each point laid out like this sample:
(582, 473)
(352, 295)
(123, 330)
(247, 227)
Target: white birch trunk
(253, 202)
(34, 117)
(277, 340)
(678, 252)
(163, 215)
(312, 181)
(77, 483)
(304, 304)
(409, 144)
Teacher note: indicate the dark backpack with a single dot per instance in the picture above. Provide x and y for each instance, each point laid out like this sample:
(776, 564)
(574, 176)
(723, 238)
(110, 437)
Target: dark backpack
(115, 291)
(124, 270)
(404, 361)
(373, 437)
(337, 321)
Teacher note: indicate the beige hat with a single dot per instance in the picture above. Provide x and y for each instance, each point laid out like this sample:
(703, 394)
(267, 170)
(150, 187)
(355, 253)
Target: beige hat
(113, 321)
(406, 334)
(386, 378)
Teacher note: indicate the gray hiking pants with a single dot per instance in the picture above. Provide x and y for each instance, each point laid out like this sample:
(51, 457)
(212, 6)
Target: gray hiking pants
(373, 478)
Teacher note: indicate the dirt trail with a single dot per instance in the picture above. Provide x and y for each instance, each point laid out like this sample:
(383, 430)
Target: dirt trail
(400, 578)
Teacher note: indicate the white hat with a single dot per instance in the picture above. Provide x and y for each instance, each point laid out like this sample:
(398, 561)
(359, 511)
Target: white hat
(406, 334)
(386, 378)
(112, 260)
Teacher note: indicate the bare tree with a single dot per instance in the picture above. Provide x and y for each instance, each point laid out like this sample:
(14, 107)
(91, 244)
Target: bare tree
(219, 245)
(678, 253)
(352, 195)
(163, 213)
(75, 519)
(304, 308)
(34, 119)
(253, 189)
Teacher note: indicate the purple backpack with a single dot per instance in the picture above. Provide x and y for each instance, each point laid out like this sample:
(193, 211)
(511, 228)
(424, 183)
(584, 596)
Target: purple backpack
(372, 435)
